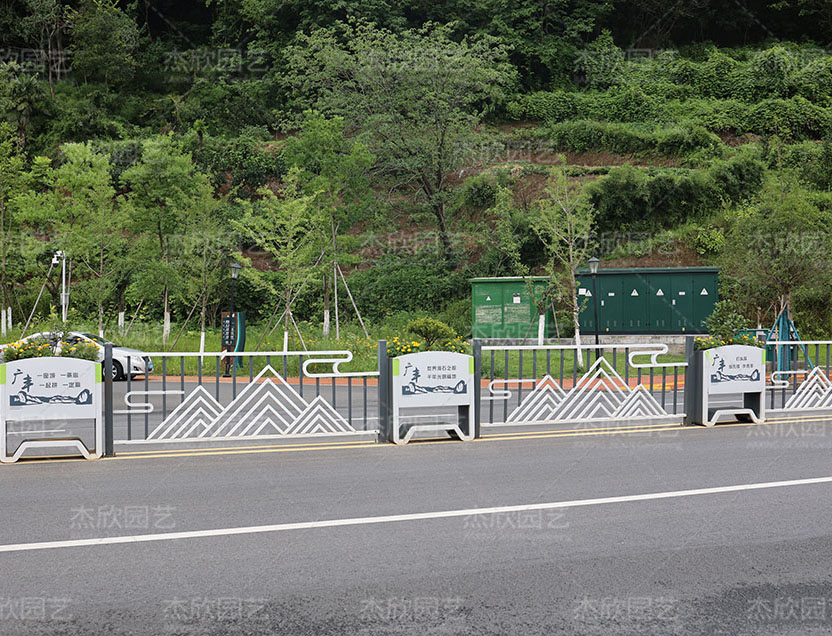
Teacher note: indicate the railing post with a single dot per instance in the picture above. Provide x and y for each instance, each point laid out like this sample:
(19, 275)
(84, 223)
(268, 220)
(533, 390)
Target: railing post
(477, 342)
(385, 429)
(108, 401)
(693, 389)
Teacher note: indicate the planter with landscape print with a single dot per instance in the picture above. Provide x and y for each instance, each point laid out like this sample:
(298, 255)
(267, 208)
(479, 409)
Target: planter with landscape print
(726, 381)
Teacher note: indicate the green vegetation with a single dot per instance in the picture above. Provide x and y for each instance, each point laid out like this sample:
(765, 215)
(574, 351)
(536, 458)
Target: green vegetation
(377, 155)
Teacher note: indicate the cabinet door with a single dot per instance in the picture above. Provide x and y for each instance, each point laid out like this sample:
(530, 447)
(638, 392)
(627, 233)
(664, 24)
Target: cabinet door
(660, 303)
(609, 304)
(682, 303)
(635, 298)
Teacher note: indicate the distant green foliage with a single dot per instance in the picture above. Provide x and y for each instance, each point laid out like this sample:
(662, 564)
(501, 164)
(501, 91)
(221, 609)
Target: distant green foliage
(595, 136)
(414, 284)
(633, 198)
(621, 103)
(241, 161)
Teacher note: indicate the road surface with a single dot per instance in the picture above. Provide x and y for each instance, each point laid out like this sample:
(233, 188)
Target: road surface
(683, 531)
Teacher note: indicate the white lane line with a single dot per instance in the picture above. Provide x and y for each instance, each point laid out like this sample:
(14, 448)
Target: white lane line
(417, 516)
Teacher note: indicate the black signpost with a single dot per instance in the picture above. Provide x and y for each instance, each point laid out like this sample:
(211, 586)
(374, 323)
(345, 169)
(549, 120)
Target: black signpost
(233, 335)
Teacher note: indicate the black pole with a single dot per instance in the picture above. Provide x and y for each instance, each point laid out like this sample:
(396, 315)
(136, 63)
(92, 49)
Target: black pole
(231, 316)
(595, 308)
(385, 430)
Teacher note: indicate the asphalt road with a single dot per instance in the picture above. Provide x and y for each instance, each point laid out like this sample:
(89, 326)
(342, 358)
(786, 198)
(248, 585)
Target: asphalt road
(747, 561)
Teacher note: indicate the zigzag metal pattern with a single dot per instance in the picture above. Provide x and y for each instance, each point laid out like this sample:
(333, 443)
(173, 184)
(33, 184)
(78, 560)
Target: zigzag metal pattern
(600, 393)
(541, 404)
(814, 393)
(269, 406)
(199, 409)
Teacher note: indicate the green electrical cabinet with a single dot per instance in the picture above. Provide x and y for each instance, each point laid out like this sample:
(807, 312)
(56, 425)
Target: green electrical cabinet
(651, 299)
(646, 300)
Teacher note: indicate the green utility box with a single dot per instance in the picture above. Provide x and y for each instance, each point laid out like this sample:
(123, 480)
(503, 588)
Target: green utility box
(505, 307)
(629, 301)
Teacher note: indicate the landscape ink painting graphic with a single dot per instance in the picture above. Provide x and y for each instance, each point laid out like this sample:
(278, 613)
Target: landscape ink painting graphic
(413, 386)
(417, 318)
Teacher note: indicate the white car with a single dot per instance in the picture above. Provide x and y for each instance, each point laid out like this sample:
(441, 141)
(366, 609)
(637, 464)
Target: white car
(124, 358)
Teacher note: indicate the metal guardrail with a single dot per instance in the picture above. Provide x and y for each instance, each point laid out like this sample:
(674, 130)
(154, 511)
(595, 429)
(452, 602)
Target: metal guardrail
(803, 379)
(192, 396)
(545, 383)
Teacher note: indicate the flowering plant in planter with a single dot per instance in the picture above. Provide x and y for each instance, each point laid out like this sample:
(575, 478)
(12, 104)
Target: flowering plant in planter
(711, 342)
(42, 348)
(434, 336)
(724, 326)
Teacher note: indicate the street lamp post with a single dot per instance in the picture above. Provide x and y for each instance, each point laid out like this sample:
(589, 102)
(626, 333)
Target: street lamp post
(593, 268)
(235, 274)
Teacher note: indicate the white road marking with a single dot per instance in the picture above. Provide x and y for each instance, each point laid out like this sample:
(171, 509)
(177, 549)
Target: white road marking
(417, 516)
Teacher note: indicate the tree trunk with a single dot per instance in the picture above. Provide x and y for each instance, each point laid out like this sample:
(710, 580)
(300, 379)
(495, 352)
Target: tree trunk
(576, 313)
(287, 315)
(326, 305)
(166, 318)
(439, 212)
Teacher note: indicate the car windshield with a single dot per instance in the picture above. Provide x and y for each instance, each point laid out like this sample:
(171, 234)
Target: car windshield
(95, 338)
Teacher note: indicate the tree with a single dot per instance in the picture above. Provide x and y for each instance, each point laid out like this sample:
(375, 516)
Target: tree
(334, 171)
(12, 184)
(779, 247)
(19, 91)
(79, 212)
(45, 23)
(206, 253)
(104, 39)
(162, 187)
(565, 224)
(288, 226)
(417, 97)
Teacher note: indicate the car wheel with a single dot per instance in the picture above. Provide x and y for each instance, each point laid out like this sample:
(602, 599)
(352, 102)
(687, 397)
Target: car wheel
(118, 372)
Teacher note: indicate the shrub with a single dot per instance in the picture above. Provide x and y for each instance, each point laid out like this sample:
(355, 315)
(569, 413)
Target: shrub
(544, 106)
(588, 136)
(420, 283)
(725, 321)
(457, 315)
(480, 192)
(632, 198)
(709, 241)
(795, 118)
(431, 331)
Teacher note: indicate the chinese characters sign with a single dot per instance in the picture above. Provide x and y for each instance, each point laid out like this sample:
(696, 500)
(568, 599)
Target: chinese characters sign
(433, 378)
(50, 389)
(735, 369)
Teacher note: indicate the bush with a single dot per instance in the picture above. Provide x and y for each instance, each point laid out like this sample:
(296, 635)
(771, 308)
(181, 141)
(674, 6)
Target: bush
(795, 118)
(457, 315)
(594, 136)
(723, 326)
(420, 283)
(709, 241)
(632, 198)
(480, 192)
(431, 331)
